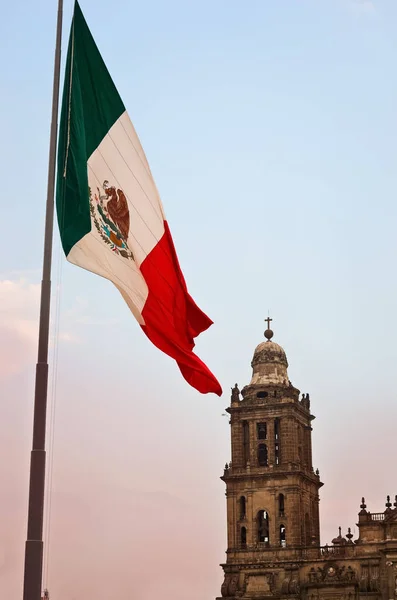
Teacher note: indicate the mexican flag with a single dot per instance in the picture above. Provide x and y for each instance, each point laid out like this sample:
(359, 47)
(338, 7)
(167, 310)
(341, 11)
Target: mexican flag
(110, 215)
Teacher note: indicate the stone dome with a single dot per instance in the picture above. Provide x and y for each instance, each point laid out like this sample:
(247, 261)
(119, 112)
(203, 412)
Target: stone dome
(269, 365)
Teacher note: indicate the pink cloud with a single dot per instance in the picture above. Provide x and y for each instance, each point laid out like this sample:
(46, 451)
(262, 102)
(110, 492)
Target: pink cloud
(19, 315)
(19, 306)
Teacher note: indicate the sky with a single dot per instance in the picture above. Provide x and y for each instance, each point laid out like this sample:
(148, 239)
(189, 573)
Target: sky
(270, 128)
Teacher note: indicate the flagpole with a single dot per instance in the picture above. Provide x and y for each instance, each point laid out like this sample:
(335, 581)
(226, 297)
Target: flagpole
(34, 543)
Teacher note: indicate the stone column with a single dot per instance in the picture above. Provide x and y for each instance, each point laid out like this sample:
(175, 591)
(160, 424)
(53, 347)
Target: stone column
(233, 540)
(309, 444)
(253, 444)
(270, 443)
(237, 443)
(251, 532)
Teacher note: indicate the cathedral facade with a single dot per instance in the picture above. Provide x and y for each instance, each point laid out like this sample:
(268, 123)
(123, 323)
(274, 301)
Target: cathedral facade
(272, 492)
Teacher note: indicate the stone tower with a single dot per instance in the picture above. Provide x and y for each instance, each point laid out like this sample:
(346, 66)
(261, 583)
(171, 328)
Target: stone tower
(271, 488)
(274, 550)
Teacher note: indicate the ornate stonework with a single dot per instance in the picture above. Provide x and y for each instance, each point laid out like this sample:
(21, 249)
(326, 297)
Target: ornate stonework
(272, 494)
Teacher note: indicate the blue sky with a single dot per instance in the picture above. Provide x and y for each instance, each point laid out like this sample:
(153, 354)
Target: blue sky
(270, 128)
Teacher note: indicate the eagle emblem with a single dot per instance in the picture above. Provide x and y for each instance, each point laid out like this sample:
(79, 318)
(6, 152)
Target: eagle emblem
(111, 217)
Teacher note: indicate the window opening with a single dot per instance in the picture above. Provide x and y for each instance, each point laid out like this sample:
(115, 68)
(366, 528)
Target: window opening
(277, 453)
(261, 430)
(262, 455)
(242, 507)
(277, 429)
(281, 504)
(263, 527)
(283, 542)
(243, 537)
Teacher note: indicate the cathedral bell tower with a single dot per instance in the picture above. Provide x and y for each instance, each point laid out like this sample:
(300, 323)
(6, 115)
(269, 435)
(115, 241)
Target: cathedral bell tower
(271, 488)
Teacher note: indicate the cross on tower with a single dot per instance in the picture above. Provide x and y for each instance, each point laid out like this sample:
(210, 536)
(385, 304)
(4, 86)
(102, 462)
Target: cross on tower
(268, 321)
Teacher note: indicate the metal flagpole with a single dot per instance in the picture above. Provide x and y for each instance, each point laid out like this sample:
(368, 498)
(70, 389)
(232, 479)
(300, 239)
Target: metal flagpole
(34, 543)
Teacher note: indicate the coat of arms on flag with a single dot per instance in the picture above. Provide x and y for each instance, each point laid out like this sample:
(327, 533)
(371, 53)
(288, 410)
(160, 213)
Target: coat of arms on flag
(111, 217)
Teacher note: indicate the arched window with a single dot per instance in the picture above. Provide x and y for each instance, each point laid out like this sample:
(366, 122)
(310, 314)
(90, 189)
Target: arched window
(263, 527)
(261, 430)
(262, 455)
(281, 506)
(242, 507)
(283, 542)
(243, 537)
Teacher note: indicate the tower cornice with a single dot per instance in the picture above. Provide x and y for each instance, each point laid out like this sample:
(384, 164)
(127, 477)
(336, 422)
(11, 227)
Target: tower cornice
(274, 473)
(270, 405)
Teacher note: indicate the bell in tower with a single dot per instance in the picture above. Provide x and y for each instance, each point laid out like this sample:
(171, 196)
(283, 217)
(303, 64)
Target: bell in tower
(271, 487)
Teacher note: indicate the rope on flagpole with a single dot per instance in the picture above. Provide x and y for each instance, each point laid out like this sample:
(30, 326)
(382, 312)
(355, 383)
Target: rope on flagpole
(52, 415)
(69, 103)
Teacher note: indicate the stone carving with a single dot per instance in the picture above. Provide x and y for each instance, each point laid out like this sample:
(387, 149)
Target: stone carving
(374, 582)
(235, 397)
(364, 580)
(285, 586)
(294, 587)
(350, 574)
(306, 401)
(290, 585)
(225, 586)
(369, 579)
(230, 585)
(233, 585)
(331, 573)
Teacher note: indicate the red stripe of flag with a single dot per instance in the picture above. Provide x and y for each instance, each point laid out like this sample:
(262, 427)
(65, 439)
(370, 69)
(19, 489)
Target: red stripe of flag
(172, 318)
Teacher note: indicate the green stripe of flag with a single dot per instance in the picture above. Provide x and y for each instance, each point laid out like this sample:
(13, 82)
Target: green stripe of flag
(90, 106)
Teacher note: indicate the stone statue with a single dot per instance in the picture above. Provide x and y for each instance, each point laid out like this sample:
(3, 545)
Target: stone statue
(306, 401)
(235, 394)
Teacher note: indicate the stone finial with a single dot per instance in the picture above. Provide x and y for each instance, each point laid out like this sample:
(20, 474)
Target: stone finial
(363, 512)
(268, 333)
(388, 503)
(338, 540)
(349, 536)
(395, 501)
